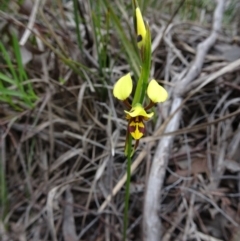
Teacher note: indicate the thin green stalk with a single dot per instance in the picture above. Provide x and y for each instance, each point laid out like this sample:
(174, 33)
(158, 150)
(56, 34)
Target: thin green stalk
(3, 190)
(127, 191)
(145, 71)
(76, 17)
(3, 184)
(98, 38)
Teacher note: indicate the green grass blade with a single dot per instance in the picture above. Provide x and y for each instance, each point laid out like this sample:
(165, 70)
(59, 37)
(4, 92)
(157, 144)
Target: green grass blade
(132, 55)
(15, 93)
(7, 59)
(76, 18)
(7, 79)
(22, 73)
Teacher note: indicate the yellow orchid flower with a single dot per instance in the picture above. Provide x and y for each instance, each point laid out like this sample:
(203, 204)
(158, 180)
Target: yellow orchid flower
(136, 116)
(137, 113)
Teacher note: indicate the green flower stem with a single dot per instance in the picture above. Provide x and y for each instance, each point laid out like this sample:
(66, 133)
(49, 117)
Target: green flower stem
(76, 16)
(145, 71)
(127, 191)
(146, 68)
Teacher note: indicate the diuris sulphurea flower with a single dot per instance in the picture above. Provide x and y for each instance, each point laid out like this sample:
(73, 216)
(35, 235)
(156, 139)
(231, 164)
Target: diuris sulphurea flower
(136, 115)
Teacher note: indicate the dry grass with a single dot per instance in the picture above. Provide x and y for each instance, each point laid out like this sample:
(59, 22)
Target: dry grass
(64, 158)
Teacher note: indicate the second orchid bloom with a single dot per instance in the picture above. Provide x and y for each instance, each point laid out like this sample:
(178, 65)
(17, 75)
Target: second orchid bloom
(137, 114)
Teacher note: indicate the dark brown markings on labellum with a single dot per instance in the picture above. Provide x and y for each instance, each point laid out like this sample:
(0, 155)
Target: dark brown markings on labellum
(132, 128)
(141, 129)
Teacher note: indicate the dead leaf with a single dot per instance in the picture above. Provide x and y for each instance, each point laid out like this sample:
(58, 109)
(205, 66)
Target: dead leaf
(198, 166)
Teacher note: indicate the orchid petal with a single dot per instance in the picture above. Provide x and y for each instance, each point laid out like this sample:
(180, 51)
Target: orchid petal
(123, 87)
(156, 92)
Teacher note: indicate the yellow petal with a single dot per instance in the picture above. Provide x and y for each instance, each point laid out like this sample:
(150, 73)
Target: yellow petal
(156, 92)
(138, 110)
(141, 29)
(136, 129)
(123, 87)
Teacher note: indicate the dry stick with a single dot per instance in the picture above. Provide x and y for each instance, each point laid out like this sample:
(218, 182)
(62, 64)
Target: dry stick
(151, 221)
(31, 22)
